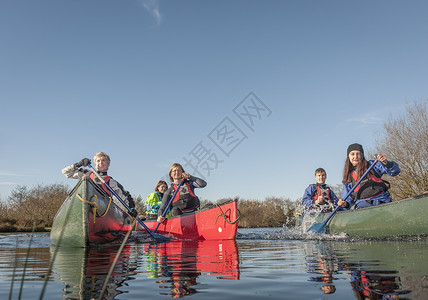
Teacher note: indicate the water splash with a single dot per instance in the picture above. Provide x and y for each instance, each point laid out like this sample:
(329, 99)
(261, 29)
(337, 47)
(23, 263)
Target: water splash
(305, 219)
(285, 233)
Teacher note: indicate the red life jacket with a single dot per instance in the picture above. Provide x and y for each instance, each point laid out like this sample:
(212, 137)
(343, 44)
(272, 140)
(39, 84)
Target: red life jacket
(319, 193)
(187, 201)
(369, 188)
(106, 179)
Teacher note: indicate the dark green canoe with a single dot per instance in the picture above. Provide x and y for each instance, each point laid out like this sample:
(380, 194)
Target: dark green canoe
(406, 217)
(88, 216)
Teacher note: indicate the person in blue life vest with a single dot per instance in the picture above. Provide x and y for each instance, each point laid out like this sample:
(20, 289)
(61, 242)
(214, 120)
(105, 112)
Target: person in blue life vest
(154, 200)
(185, 200)
(101, 163)
(319, 195)
(373, 190)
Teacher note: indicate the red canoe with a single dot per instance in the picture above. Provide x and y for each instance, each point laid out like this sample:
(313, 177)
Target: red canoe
(216, 222)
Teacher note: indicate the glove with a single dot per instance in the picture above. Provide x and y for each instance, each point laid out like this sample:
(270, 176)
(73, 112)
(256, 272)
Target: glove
(83, 163)
(133, 212)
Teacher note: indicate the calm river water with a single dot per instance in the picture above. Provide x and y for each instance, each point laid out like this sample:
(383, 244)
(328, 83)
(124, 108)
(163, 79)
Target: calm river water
(260, 264)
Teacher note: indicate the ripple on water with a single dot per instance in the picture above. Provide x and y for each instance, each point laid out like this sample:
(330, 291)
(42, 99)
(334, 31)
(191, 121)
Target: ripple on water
(23, 240)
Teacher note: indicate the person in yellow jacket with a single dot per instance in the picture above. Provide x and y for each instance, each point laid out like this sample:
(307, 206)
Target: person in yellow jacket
(154, 200)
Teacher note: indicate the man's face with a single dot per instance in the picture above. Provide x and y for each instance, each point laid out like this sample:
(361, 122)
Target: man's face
(320, 177)
(102, 164)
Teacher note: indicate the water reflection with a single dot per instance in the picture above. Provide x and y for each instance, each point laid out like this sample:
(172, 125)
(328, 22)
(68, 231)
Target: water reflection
(84, 271)
(376, 285)
(180, 263)
(175, 266)
(322, 265)
(376, 270)
(266, 266)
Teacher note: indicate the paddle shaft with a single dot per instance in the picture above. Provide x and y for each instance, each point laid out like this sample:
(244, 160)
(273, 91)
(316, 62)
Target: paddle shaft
(170, 202)
(352, 190)
(123, 202)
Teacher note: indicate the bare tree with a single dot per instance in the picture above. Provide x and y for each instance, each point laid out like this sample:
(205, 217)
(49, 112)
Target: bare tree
(36, 206)
(337, 190)
(405, 140)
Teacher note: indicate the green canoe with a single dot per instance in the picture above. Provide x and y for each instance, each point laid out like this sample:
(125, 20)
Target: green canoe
(402, 218)
(88, 217)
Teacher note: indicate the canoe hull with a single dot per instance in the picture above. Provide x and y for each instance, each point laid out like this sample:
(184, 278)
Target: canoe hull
(218, 222)
(396, 219)
(87, 218)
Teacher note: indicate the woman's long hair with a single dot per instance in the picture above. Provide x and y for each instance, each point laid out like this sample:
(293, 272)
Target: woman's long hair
(349, 168)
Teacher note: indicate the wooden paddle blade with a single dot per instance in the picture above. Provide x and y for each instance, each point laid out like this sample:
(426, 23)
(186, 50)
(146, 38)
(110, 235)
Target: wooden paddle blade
(318, 228)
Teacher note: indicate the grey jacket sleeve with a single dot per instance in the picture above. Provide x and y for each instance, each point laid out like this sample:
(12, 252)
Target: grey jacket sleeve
(197, 182)
(73, 172)
(122, 193)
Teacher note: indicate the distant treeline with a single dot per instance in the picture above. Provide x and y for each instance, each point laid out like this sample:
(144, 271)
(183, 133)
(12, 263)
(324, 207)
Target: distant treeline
(28, 209)
(271, 212)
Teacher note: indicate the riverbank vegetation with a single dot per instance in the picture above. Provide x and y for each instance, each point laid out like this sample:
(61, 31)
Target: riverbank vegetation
(271, 212)
(30, 209)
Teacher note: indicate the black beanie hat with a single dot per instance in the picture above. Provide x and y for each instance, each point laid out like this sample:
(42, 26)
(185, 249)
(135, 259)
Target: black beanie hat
(355, 147)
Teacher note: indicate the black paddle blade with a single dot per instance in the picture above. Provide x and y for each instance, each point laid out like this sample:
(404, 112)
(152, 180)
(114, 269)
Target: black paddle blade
(160, 237)
(156, 236)
(318, 228)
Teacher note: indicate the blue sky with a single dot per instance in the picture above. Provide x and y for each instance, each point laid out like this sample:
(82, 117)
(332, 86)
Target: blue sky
(253, 95)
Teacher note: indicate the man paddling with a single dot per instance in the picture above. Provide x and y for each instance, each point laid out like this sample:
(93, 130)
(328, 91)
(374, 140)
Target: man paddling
(102, 163)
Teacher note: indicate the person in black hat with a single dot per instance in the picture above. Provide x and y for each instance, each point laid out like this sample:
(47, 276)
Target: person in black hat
(373, 189)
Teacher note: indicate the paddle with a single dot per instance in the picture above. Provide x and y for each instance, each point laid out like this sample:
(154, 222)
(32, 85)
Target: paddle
(170, 202)
(152, 234)
(322, 226)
